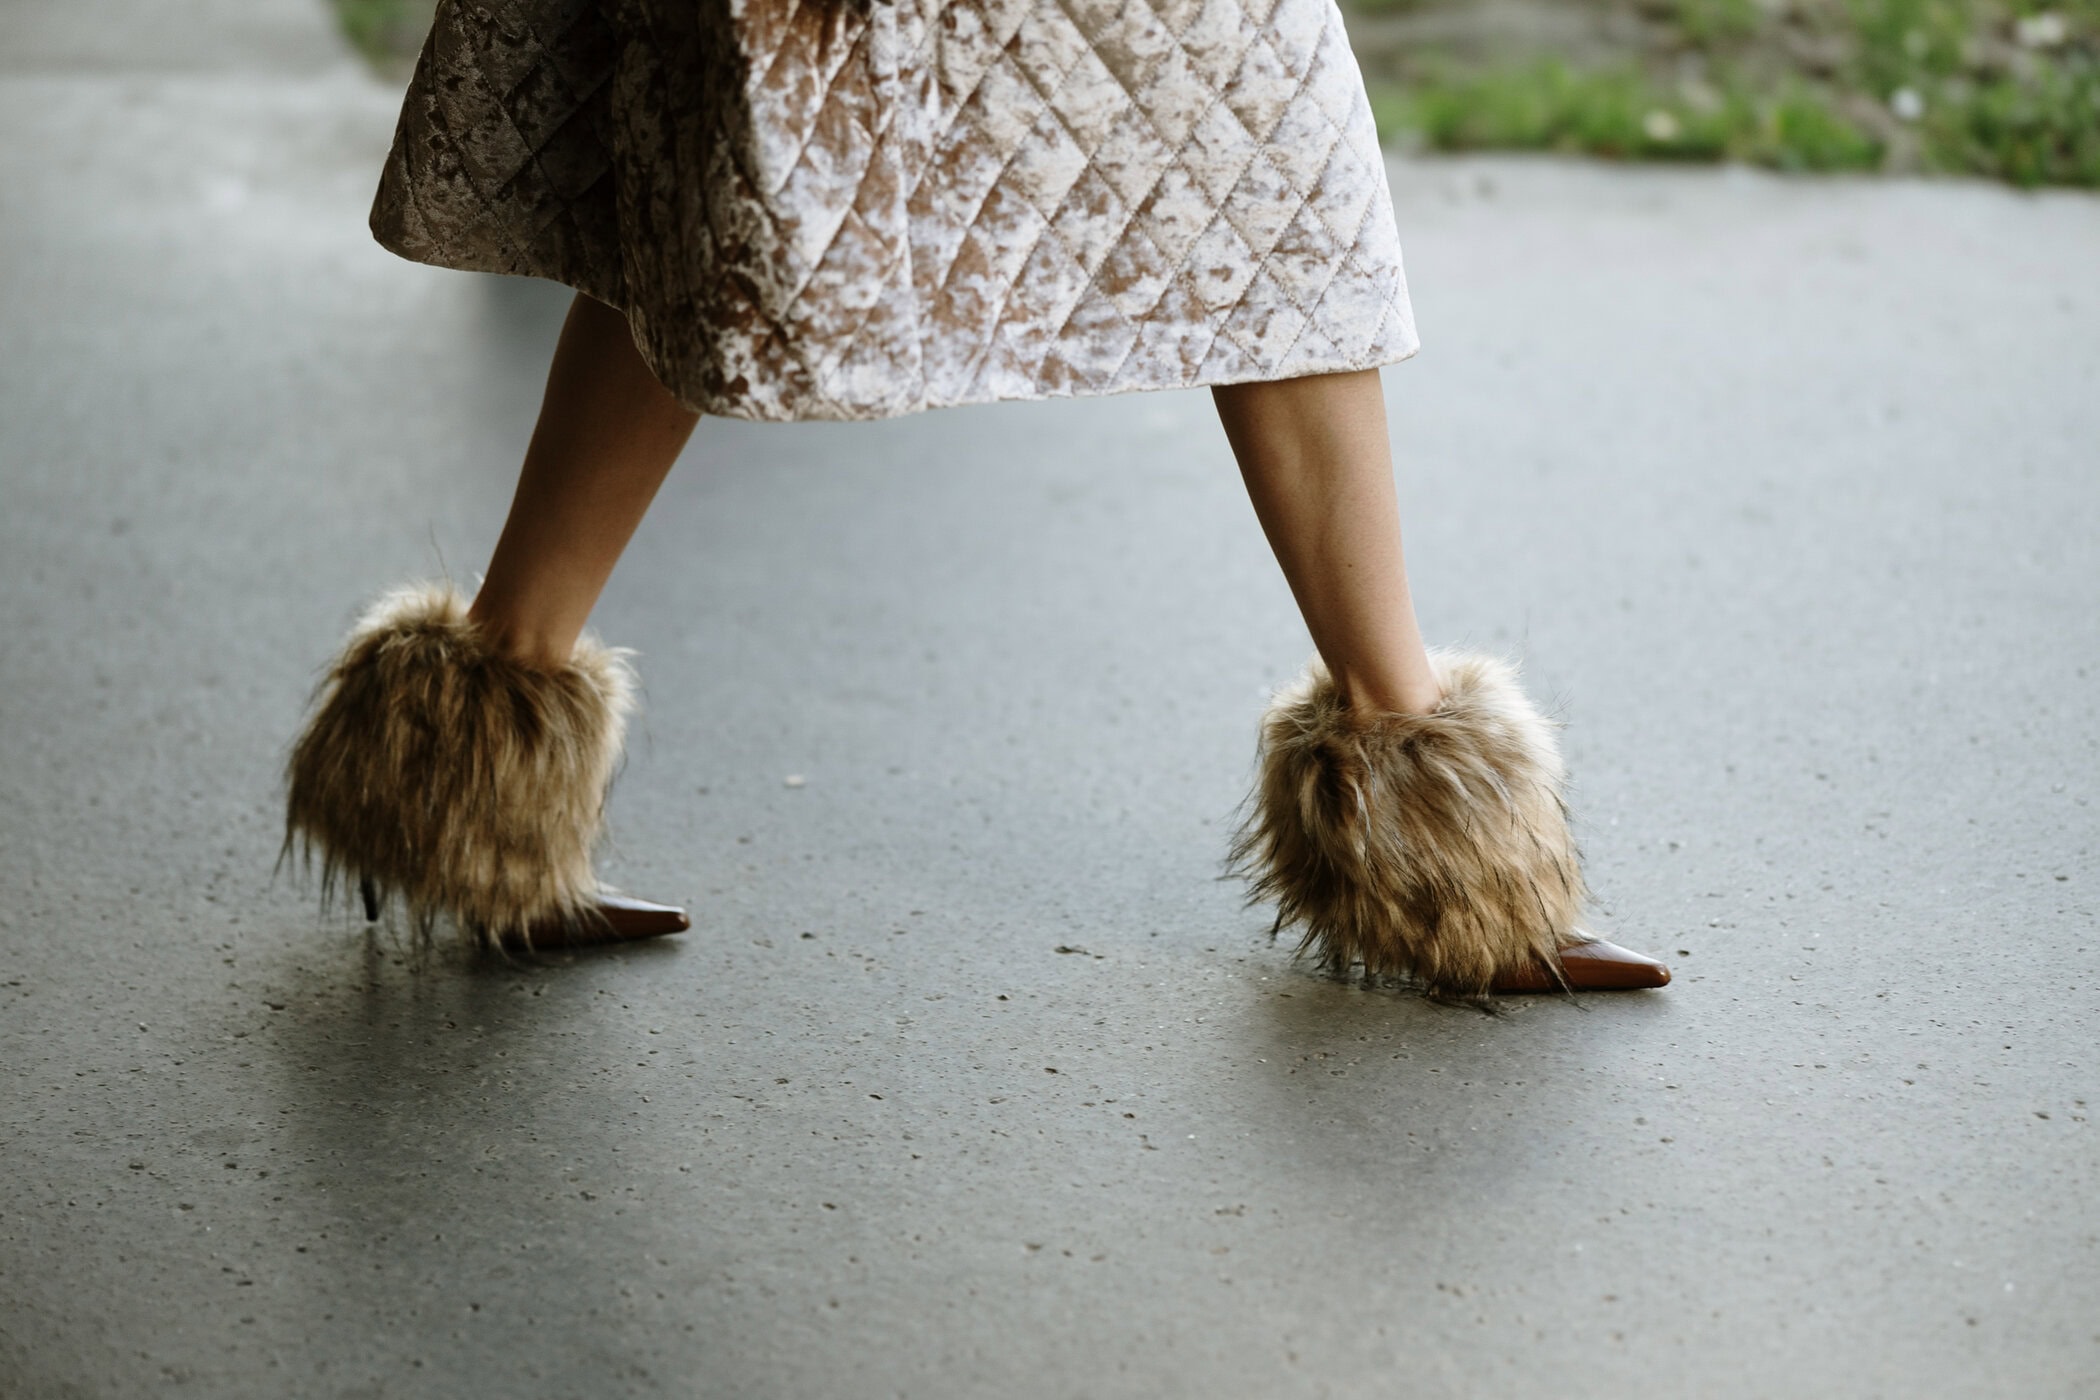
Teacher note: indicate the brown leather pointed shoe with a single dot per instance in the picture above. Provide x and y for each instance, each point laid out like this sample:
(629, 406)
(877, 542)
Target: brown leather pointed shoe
(615, 918)
(1592, 966)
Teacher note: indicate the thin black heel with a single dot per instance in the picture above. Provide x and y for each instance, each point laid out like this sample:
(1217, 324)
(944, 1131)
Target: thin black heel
(370, 894)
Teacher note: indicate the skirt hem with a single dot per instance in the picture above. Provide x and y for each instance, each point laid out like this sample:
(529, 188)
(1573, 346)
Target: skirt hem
(748, 410)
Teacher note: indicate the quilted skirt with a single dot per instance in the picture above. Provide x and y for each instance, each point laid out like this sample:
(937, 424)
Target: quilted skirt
(854, 209)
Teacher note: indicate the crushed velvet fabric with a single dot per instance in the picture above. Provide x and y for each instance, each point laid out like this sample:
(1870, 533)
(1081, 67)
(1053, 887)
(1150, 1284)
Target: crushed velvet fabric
(860, 208)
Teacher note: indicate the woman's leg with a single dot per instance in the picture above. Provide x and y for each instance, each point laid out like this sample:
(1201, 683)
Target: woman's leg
(1408, 818)
(459, 756)
(607, 436)
(1320, 471)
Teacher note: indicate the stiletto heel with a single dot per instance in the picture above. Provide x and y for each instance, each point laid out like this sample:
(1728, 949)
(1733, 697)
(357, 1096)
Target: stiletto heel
(370, 893)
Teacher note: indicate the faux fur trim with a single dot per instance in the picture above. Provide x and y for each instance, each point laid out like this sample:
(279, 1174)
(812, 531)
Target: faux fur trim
(469, 785)
(1433, 846)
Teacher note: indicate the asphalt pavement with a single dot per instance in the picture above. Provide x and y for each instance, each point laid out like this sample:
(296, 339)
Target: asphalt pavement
(973, 1078)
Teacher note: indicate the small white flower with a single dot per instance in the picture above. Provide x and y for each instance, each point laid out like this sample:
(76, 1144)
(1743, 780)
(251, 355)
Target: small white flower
(1660, 125)
(2046, 30)
(1906, 104)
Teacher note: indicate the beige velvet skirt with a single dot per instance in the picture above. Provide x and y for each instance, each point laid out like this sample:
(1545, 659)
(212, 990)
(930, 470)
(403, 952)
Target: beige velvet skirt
(850, 209)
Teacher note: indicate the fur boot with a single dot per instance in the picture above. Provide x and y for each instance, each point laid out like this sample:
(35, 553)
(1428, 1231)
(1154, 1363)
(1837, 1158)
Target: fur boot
(469, 785)
(1431, 846)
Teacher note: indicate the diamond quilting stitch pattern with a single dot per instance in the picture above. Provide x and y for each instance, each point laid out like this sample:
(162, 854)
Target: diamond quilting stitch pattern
(861, 208)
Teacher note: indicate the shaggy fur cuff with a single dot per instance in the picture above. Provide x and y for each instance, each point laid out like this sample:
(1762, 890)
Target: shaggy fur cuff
(1432, 846)
(469, 785)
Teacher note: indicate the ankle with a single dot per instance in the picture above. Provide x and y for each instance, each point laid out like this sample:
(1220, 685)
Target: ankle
(535, 648)
(1410, 697)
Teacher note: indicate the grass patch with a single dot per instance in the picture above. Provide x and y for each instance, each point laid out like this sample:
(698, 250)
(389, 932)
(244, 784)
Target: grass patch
(1622, 113)
(2042, 132)
(2004, 88)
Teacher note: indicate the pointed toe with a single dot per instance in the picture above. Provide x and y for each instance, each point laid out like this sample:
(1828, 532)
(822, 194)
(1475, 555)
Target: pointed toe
(1606, 967)
(611, 918)
(1593, 965)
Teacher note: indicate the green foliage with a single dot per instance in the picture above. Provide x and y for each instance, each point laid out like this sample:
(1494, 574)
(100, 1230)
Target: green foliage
(2004, 88)
(1707, 23)
(1620, 113)
(1798, 130)
(1901, 43)
(2042, 132)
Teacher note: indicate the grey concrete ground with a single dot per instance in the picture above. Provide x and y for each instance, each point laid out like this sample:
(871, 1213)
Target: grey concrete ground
(972, 1078)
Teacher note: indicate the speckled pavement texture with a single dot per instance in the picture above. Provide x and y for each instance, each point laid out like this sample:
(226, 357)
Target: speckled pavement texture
(972, 1079)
